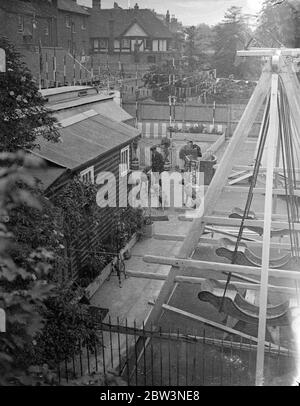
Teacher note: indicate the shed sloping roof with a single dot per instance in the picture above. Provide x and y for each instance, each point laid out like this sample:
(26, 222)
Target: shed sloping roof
(124, 19)
(105, 107)
(63, 89)
(47, 175)
(86, 140)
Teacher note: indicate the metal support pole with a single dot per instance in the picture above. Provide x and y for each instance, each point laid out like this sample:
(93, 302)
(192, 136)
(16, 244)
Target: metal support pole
(263, 299)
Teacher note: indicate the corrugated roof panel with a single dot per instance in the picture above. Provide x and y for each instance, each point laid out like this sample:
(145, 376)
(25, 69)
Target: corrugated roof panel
(105, 107)
(74, 102)
(64, 89)
(77, 118)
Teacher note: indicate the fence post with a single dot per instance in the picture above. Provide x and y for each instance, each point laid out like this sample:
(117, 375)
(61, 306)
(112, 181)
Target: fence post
(127, 355)
(119, 346)
(111, 345)
(135, 354)
(144, 354)
(152, 356)
(203, 358)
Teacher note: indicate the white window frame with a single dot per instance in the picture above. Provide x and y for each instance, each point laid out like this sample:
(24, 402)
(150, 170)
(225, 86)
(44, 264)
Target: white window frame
(96, 48)
(126, 41)
(68, 21)
(117, 45)
(150, 42)
(124, 163)
(87, 171)
(103, 44)
(20, 23)
(83, 23)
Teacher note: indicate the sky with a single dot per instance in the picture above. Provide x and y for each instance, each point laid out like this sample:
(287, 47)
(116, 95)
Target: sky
(191, 12)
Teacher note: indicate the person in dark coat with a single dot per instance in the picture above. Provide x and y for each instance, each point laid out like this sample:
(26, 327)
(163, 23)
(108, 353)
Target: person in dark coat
(157, 161)
(198, 150)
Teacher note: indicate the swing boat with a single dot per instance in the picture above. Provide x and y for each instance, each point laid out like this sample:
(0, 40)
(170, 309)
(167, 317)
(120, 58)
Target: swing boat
(278, 91)
(247, 257)
(235, 306)
(238, 213)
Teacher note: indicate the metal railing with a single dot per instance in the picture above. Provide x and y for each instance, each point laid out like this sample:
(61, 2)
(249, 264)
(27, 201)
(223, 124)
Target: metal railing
(156, 357)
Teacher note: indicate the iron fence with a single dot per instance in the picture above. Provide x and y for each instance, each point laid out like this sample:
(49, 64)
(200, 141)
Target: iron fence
(155, 357)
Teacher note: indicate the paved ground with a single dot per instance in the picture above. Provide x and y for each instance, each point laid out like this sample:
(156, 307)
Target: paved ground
(132, 300)
(135, 299)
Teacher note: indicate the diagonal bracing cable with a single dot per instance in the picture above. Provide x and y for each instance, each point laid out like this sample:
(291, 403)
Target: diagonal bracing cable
(262, 142)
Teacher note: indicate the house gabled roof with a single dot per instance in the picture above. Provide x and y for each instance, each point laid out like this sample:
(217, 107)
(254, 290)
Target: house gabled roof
(71, 6)
(123, 20)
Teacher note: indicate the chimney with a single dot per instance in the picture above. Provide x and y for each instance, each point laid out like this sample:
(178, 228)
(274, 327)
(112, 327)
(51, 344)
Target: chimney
(168, 17)
(97, 4)
(111, 24)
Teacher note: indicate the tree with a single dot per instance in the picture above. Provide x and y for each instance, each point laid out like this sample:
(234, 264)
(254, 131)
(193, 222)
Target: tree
(190, 48)
(34, 228)
(204, 44)
(278, 23)
(22, 291)
(230, 36)
(23, 116)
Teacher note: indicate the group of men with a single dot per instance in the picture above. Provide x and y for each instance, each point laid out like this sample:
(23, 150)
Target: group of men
(189, 152)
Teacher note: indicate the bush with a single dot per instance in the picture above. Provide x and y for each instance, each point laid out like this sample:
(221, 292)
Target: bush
(66, 326)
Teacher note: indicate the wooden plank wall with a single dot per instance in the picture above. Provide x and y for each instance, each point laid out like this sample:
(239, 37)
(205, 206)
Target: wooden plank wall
(91, 234)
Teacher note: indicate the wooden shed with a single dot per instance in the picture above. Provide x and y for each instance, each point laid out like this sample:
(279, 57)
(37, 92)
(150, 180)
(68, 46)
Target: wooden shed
(90, 144)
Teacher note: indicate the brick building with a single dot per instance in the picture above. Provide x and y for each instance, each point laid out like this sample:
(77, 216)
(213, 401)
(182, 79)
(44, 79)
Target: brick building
(63, 42)
(52, 23)
(72, 27)
(129, 35)
(29, 23)
(57, 29)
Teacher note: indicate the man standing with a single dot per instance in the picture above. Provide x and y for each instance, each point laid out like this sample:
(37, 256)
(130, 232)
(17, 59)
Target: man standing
(190, 152)
(157, 161)
(157, 169)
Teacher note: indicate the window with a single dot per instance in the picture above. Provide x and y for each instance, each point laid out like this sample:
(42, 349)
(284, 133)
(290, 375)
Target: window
(126, 43)
(68, 21)
(73, 28)
(117, 44)
(47, 29)
(87, 176)
(124, 161)
(20, 23)
(83, 23)
(99, 44)
(103, 43)
(148, 44)
(96, 45)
